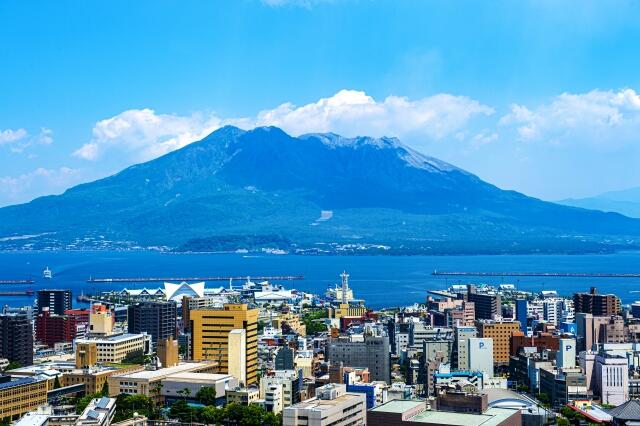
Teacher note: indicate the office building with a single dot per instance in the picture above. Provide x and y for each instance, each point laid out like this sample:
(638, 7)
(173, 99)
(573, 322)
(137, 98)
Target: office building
(594, 330)
(332, 406)
(117, 348)
(371, 352)
(461, 346)
(487, 305)
(611, 378)
(56, 300)
(540, 340)
(101, 321)
(16, 339)
(20, 396)
(210, 339)
(243, 396)
(481, 352)
(290, 382)
(500, 332)
(52, 329)
(522, 314)
(149, 382)
(596, 304)
(273, 398)
(194, 303)
(416, 412)
(284, 359)
(157, 319)
(86, 354)
(167, 351)
(563, 385)
(566, 354)
(237, 351)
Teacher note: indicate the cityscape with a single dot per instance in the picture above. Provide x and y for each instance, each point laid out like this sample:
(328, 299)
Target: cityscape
(257, 351)
(319, 213)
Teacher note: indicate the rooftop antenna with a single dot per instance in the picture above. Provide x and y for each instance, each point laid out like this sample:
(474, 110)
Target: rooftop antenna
(345, 286)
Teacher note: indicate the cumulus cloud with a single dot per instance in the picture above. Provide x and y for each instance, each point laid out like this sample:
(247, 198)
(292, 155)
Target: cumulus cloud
(41, 181)
(9, 135)
(144, 134)
(352, 113)
(601, 117)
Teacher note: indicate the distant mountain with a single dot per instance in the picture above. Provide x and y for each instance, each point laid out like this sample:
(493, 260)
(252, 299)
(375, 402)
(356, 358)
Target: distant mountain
(626, 202)
(263, 189)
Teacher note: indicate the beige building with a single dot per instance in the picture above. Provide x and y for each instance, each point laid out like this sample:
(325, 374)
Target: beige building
(86, 354)
(243, 396)
(20, 396)
(238, 354)
(331, 406)
(101, 321)
(168, 352)
(210, 336)
(149, 382)
(292, 320)
(116, 348)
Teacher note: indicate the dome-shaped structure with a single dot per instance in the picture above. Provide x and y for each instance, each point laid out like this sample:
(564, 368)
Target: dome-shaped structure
(175, 292)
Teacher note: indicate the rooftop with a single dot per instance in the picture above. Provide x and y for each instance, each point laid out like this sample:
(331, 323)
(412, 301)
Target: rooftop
(164, 372)
(199, 377)
(114, 338)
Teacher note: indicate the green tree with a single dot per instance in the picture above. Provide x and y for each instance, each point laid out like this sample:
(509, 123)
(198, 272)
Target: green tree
(561, 421)
(56, 383)
(13, 365)
(180, 410)
(82, 403)
(186, 392)
(207, 395)
(105, 389)
(126, 405)
(210, 415)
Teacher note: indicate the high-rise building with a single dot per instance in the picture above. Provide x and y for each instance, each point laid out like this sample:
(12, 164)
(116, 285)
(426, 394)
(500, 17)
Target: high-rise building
(57, 301)
(210, 338)
(284, 359)
(522, 314)
(157, 319)
(500, 332)
(593, 330)
(237, 360)
(487, 305)
(362, 351)
(101, 321)
(566, 354)
(52, 329)
(461, 346)
(481, 355)
(16, 339)
(596, 304)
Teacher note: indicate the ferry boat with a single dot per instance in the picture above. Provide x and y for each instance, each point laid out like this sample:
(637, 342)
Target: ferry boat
(47, 274)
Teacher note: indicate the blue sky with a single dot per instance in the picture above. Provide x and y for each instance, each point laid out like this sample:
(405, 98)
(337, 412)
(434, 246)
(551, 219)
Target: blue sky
(541, 97)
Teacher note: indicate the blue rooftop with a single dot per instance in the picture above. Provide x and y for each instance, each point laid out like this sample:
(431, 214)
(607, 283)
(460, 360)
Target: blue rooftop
(19, 382)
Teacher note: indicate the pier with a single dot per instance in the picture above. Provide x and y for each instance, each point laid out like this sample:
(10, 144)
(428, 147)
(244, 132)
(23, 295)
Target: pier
(9, 282)
(537, 274)
(16, 293)
(187, 279)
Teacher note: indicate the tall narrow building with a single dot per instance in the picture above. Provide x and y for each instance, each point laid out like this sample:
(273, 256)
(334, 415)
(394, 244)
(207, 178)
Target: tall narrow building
(159, 319)
(56, 300)
(211, 329)
(16, 339)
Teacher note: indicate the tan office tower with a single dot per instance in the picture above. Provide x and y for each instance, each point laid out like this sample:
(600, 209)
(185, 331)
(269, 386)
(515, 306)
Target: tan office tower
(238, 355)
(100, 321)
(86, 355)
(210, 329)
(500, 332)
(168, 352)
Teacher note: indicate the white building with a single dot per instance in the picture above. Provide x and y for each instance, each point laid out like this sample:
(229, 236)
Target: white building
(116, 348)
(566, 355)
(331, 406)
(480, 352)
(612, 379)
(289, 381)
(176, 292)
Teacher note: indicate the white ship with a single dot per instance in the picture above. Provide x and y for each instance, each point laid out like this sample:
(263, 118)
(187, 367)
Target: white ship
(47, 274)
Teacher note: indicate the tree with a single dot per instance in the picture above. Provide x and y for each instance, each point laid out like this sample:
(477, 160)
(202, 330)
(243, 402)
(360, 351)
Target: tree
(561, 421)
(105, 389)
(82, 403)
(207, 395)
(210, 415)
(126, 405)
(186, 392)
(181, 410)
(56, 383)
(13, 365)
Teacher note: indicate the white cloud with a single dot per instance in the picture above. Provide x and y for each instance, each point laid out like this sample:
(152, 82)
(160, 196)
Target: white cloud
(601, 117)
(9, 135)
(143, 134)
(352, 113)
(41, 181)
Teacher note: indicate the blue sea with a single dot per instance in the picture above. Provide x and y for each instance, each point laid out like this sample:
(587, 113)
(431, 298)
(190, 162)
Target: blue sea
(382, 281)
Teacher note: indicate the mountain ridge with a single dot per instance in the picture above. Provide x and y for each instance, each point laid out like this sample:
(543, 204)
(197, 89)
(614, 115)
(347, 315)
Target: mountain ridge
(250, 184)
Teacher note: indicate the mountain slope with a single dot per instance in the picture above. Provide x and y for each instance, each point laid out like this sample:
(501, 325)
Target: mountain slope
(239, 189)
(626, 202)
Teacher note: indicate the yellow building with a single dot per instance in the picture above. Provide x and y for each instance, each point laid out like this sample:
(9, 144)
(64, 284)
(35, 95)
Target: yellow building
(210, 336)
(95, 379)
(349, 310)
(101, 321)
(116, 348)
(20, 396)
(293, 320)
(242, 396)
(86, 354)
